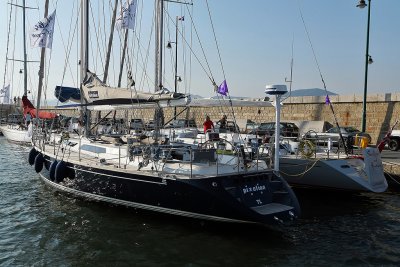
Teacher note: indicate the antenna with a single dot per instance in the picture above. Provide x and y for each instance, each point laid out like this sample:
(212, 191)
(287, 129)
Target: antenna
(278, 91)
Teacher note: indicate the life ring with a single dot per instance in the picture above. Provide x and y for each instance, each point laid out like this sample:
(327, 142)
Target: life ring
(306, 148)
(32, 155)
(39, 160)
(52, 170)
(60, 172)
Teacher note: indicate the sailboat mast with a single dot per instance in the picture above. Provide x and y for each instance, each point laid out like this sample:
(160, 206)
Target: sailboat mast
(25, 56)
(121, 67)
(84, 62)
(41, 68)
(159, 44)
(110, 39)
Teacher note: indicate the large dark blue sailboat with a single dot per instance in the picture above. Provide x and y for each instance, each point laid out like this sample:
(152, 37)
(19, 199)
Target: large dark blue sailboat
(151, 174)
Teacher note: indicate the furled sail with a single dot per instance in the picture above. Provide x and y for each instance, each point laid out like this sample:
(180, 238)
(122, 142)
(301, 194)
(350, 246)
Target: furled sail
(97, 93)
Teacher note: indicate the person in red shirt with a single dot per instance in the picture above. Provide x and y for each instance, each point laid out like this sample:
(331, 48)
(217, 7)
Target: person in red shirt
(208, 125)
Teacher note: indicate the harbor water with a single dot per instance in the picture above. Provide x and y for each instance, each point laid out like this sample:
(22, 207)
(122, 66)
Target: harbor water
(41, 227)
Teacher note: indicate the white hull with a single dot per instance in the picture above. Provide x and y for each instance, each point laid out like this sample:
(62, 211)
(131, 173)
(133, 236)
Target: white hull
(351, 174)
(13, 134)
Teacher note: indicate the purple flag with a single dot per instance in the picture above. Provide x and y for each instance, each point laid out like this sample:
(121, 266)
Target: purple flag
(327, 101)
(223, 88)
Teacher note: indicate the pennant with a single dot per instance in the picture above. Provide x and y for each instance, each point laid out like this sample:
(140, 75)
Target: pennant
(223, 88)
(126, 20)
(5, 95)
(42, 33)
(327, 100)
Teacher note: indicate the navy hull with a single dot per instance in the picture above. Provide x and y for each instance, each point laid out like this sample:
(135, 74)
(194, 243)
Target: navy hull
(252, 198)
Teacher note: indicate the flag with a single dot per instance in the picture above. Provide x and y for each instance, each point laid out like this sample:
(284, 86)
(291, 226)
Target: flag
(327, 100)
(42, 33)
(126, 20)
(223, 88)
(5, 95)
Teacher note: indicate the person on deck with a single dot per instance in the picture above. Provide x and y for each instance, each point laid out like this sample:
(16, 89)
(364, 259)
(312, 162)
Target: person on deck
(222, 122)
(208, 125)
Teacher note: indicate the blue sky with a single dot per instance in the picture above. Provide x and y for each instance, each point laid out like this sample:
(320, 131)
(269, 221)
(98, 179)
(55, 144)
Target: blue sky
(255, 41)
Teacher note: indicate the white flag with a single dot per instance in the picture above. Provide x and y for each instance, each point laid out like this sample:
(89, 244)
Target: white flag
(126, 20)
(5, 95)
(42, 33)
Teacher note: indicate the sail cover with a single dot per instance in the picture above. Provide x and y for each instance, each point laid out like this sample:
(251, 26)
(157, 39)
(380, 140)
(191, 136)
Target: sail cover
(28, 107)
(97, 93)
(65, 94)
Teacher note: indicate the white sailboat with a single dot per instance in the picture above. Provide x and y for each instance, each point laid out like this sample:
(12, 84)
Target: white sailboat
(319, 165)
(13, 132)
(22, 133)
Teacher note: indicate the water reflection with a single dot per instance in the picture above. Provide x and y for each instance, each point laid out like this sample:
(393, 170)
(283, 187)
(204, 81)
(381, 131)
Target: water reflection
(39, 226)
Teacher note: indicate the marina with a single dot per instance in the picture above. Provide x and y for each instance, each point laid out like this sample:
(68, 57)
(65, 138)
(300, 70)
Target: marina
(111, 156)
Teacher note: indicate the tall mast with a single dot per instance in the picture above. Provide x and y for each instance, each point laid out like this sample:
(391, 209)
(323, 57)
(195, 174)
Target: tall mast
(159, 44)
(25, 56)
(84, 62)
(84, 38)
(110, 39)
(41, 68)
(121, 67)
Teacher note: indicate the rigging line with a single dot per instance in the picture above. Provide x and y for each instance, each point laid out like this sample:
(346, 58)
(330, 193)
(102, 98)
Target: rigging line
(171, 54)
(323, 81)
(290, 81)
(209, 74)
(138, 50)
(46, 82)
(184, 62)
(145, 77)
(136, 44)
(312, 48)
(184, 59)
(215, 39)
(137, 63)
(129, 69)
(112, 50)
(8, 43)
(13, 52)
(190, 54)
(142, 63)
(67, 49)
(220, 59)
(97, 38)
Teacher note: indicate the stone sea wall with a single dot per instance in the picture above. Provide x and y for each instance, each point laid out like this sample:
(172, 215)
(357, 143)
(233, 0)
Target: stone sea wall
(382, 111)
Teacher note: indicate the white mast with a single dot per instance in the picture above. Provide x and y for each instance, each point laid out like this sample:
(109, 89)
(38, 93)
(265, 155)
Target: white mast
(41, 68)
(84, 38)
(25, 56)
(84, 60)
(159, 44)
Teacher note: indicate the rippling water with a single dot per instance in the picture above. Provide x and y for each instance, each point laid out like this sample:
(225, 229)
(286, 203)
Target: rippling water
(40, 227)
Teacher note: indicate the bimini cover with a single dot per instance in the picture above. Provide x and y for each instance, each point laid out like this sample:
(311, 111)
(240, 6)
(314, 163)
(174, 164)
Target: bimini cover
(65, 94)
(97, 93)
